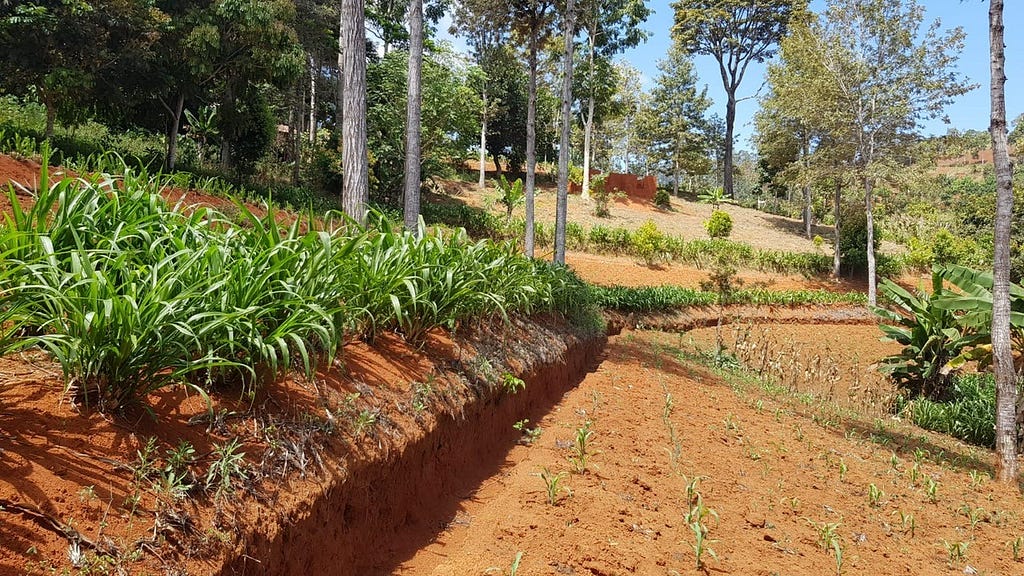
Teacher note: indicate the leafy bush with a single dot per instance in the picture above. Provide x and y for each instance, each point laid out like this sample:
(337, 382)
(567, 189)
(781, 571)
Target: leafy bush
(601, 195)
(662, 199)
(719, 225)
(649, 243)
(853, 239)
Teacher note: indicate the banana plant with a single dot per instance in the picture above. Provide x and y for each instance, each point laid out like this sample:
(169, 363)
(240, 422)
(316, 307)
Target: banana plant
(972, 306)
(930, 336)
(512, 194)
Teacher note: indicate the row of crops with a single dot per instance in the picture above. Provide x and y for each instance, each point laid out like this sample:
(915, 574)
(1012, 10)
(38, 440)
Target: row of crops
(130, 294)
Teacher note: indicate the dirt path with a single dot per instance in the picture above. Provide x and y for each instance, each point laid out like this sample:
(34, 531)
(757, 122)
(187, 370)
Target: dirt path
(773, 478)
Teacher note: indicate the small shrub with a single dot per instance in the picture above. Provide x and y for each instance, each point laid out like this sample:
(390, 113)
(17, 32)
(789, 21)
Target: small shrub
(649, 243)
(512, 194)
(719, 225)
(853, 239)
(601, 196)
(662, 199)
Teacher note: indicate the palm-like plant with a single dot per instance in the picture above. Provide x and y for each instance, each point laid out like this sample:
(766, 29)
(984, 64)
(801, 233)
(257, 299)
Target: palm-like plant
(930, 336)
(512, 194)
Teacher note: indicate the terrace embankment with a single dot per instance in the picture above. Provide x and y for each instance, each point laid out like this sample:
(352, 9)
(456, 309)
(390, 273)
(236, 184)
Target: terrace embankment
(371, 513)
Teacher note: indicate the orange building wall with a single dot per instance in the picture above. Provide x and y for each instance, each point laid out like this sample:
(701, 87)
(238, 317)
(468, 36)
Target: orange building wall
(636, 188)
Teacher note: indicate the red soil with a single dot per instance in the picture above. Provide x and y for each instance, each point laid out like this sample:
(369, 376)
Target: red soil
(770, 474)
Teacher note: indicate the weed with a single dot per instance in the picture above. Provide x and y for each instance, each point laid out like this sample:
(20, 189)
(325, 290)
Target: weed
(87, 494)
(553, 485)
(144, 466)
(228, 464)
(842, 470)
(530, 435)
(363, 422)
(421, 394)
(511, 383)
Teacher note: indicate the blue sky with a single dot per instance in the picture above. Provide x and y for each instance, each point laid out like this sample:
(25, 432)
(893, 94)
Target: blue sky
(969, 111)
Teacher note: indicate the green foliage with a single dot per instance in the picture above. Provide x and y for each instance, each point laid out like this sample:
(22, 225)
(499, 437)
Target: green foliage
(130, 295)
(450, 110)
(968, 414)
(601, 239)
(649, 243)
(930, 337)
(719, 225)
(249, 128)
(512, 195)
(662, 199)
(853, 239)
(668, 298)
(601, 195)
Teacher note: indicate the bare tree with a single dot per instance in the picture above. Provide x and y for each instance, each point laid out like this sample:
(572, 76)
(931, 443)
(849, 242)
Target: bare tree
(355, 196)
(1006, 375)
(561, 209)
(412, 123)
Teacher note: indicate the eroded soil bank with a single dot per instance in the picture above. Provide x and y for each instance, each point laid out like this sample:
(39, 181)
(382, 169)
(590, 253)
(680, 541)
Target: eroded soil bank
(375, 512)
(345, 473)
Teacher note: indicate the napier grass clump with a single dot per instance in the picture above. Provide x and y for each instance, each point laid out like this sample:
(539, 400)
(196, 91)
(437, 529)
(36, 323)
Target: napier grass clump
(130, 294)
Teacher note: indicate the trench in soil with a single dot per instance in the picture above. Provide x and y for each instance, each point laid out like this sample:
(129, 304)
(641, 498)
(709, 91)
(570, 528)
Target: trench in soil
(469, 500)
(389, 508)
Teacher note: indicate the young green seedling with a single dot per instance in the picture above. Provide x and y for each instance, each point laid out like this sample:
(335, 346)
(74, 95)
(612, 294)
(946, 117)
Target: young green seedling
(875, 495)
(553, 485)
(581, 448)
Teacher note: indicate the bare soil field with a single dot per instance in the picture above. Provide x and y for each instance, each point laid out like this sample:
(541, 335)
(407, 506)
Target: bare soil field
(774, 472)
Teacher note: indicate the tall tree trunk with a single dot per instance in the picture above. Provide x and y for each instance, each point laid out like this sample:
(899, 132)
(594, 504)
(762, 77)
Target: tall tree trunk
(561, 208)
(51, 114)
(412, 117)
(483, 144)
(225, 135)
(836, 261)
(295, 114)
(588, 128)
(531, 140)
(312, 100)
(355, 164)
(339, 95)
(172, 132)
(869, 185)
(1002, 352)
(808, 223)
(730, 120)
(675, 177)
(808, 201)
